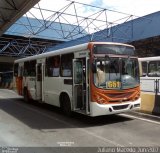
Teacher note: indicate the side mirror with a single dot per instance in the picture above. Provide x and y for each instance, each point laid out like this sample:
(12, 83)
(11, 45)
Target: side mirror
(94, 67)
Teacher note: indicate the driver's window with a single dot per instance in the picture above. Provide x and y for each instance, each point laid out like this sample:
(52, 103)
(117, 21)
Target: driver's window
(100, 77)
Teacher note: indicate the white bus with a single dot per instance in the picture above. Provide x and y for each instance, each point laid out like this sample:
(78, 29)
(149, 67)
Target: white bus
(71, 78)
(150, 84)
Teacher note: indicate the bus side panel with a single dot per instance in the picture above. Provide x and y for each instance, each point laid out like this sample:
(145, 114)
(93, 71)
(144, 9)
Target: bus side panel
(66, 87)
(29, 82)
(147, 94)
(52, 89)
(150, 95)
(156, 109)
(150, 84)
(147, 102)
(147, 85)
(19, 81)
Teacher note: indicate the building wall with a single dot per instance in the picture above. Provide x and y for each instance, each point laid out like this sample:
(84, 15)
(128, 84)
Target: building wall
(6, 63)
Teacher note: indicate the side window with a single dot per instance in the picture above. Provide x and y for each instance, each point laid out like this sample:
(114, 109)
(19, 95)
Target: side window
(29, 68)
(158, 68)
(26, 69)
(152, 69)
(53, 66)
(144, 69)
(16, 69)
(39, 72)
(32, 68)
(66, 65)
(20, 71)
(47, 67)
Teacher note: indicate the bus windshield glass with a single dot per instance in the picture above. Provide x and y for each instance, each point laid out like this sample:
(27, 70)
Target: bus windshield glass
(113, 49)
(116, 73)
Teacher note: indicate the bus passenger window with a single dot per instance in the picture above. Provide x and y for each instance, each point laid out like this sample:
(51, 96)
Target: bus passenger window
(32, 68)
(29, 68)
(158, 68)
(152, 69)
(66, 65)
(52, 66)
(39, 73)
(55, 68)
(144, 69)
(20, 71)
(26, 69)
(16, 69)
(47, 67)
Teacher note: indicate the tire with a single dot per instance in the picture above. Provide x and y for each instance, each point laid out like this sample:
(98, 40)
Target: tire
(26, 96)
(66, 106)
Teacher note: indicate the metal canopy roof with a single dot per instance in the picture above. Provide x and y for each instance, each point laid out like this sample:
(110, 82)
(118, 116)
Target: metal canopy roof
(142, 32)
(69, 21)
(27, 27)
(127, 32)
(11, 10)
(97, 26)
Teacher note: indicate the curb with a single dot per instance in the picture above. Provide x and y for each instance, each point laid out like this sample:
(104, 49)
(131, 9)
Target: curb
(144, 115)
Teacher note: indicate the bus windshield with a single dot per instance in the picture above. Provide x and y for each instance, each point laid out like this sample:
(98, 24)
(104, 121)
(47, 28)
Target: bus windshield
(116, 73)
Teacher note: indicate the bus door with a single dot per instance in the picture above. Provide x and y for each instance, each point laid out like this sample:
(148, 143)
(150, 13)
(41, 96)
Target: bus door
(39, 81)
(80, 86)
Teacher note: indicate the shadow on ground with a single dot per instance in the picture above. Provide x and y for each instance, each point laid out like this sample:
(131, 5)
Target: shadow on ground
(44, 116)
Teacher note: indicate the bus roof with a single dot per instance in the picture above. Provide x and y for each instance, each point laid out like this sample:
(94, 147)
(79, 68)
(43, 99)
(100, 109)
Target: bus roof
(149, 58)
(66, 50)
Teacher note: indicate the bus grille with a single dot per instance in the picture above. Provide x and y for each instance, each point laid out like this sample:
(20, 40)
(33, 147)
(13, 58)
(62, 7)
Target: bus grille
(122, 100)
(120, 107)
(120, 95)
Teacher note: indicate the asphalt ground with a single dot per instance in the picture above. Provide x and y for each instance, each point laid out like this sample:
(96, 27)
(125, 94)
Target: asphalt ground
(41, 125)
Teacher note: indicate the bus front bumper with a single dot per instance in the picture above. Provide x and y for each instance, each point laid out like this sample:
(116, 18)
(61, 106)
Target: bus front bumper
(108, 109)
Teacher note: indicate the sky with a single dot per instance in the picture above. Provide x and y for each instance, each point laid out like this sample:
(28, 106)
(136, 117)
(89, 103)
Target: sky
(134, 7)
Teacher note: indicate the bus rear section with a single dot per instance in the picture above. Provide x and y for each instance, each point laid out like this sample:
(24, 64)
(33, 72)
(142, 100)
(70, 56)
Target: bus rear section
(150, 83)
(79, 83)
